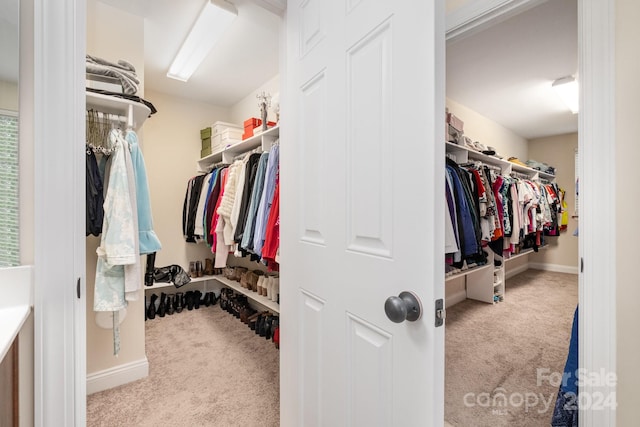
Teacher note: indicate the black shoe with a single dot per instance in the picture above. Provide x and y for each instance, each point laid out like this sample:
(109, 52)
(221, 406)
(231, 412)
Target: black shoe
(196, 299)
(163, 305)
(151, 311)
(170, 301)
(148, 275)
(188, 298)
(179, 304)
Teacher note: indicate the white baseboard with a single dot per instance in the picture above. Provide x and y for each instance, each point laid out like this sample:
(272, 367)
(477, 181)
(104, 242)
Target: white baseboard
(510, 272)
(455, 298)
(553, 267)
(118, 375)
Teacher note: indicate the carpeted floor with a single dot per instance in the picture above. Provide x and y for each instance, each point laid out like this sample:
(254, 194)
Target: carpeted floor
(509, 349)
(206, 368)
(209, 369)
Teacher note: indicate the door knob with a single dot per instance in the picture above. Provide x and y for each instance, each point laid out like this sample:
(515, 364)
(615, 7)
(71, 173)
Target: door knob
(406, 306)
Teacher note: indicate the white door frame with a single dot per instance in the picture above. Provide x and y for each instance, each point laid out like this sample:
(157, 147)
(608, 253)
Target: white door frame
(60, 341)
(59, 163)
(596, 127)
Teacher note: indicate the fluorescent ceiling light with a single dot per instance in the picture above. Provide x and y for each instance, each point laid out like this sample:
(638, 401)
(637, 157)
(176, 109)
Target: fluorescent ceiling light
(567, 90)
(214, 19)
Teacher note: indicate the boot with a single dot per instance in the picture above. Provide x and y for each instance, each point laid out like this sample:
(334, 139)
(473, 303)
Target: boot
(196, 299)
(179, 304)
(188, 298)
(163, 305)
(148, 275)
(170, 302)
(208, 266)
(151, 311)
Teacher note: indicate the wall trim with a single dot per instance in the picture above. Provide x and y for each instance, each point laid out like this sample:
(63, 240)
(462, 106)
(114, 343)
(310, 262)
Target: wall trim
(455, 298)
(478, 15)
(553, 267)
(510, 272)
(117, 375)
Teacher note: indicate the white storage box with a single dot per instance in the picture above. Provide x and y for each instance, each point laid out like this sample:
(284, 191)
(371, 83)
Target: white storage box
(219, 127)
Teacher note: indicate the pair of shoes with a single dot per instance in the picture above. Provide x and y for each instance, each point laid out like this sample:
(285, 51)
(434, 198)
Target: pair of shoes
(208, 299)
(195, 269)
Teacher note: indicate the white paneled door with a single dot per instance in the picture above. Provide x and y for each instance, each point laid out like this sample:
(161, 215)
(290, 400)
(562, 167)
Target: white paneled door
(362, 163)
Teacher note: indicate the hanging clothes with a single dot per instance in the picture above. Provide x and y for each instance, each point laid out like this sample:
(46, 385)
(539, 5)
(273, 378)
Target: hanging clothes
(266, 199)
(258, 187)
(95, 196)
(147, 238)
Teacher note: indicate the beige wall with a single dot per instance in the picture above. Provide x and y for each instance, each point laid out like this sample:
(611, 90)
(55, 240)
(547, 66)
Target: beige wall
(171, 148)
(627, 235)
(8, 96)
(113, 35)
(559, 151)
(486, 131)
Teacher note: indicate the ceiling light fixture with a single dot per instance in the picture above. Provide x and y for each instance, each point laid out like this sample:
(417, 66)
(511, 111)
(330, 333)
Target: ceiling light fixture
(215, 17)
(567, 90)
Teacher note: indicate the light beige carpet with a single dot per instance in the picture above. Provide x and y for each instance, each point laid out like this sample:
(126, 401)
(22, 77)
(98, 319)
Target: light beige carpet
(493, 350)
(206, 368)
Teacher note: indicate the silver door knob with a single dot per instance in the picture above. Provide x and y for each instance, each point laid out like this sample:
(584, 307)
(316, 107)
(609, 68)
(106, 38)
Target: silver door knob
(406, 306)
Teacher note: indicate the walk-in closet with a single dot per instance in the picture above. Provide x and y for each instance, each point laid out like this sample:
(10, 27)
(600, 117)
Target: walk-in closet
(204, 321)
(511, 257)
(194, 341)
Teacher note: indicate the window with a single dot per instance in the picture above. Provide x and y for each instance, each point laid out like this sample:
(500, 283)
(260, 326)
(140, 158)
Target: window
(9, 206)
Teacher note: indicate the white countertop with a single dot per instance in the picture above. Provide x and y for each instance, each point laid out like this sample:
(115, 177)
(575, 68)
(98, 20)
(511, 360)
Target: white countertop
(11, 321)
(16, 288)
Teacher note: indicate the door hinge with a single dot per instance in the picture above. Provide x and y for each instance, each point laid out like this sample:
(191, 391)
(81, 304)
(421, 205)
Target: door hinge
(441, 313)
(78, 288)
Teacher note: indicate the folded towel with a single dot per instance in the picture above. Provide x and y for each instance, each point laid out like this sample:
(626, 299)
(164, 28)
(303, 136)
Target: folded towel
(122, 70)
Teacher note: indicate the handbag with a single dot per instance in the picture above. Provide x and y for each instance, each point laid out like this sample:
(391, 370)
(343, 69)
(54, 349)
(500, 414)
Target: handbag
(171, 273)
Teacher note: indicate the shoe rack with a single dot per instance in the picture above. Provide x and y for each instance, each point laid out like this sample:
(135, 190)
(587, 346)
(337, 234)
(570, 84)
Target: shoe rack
(207, 285)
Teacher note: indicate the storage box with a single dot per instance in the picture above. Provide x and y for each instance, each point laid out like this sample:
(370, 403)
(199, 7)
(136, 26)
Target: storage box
(231, 134)
(455, 122)
(206, 143)
(205, 152)
(100, 82)
(205, 133)
(219, 127)
(247, 134)
(252, 123)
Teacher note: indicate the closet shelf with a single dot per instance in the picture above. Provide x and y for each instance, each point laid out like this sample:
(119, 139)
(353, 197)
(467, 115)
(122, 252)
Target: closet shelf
(523, 253)
(505, 165)
(467, 271)
(120, 106)
(259, 299)
(264, 141)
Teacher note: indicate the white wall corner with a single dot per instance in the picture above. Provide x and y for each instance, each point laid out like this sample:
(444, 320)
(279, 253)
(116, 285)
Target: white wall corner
(118, 375)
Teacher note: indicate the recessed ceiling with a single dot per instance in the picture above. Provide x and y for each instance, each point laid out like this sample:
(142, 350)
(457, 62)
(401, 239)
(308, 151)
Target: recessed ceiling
(505, 72)
(242, 60)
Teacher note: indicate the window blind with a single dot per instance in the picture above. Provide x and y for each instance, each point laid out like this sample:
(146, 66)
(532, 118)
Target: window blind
(9, 188)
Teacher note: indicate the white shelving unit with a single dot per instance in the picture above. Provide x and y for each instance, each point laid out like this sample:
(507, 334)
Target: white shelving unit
(119, 106)
(264, 141)
(204, 282)
(461, 154)
(485, 282)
